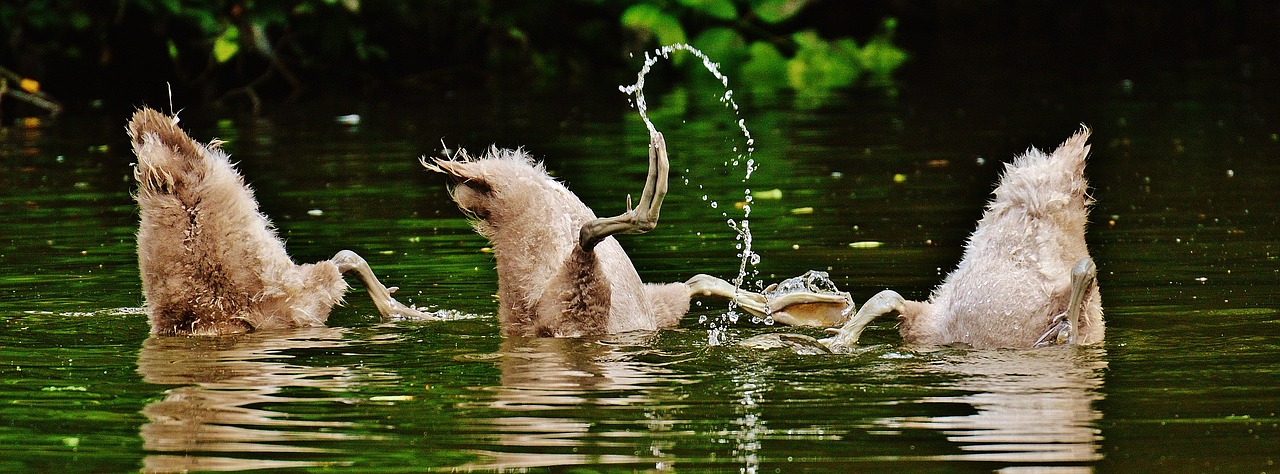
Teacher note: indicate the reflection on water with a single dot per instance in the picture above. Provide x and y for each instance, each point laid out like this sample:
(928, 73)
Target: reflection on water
(751, 383)
(222, 417)
(546, 384)
(1029, 406)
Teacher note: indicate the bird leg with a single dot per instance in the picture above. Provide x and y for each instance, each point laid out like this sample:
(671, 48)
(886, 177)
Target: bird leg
(348, 261)
(1065, 327)
(884, 302)
(707, 285)
(1082, 277)
(644, 217)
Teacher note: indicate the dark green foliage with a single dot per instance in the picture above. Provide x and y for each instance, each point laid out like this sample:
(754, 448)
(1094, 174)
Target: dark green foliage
(251, 48)
(749, 40)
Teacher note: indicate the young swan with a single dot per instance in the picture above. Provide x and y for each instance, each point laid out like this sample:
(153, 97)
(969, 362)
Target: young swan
(560, 271)
(1026, 278)
(210, 262)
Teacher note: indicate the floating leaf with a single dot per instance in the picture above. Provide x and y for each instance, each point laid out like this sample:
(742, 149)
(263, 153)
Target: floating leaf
(865, 244)
(68, 388)
(774, 193)
(29, 85)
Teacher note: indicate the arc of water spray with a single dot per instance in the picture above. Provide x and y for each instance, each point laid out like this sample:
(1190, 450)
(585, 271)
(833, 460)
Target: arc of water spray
(743, 229)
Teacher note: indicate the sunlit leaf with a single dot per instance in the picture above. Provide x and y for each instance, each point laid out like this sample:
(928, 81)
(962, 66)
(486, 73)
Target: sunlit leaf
(227, 44)
(641, 16)
(807, 39)
(820, 65)
(29, 85)
(645, 17)
(648, 18)
(776, 11)
(880, 55)
(670, 31)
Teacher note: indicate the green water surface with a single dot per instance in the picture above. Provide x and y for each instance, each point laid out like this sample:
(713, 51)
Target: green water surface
(1185, 174)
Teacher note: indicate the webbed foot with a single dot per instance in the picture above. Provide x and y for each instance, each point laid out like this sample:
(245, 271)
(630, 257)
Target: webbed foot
(749, 301)
(1065, 327)
(884, 302)
(644, 217)
(348, 261)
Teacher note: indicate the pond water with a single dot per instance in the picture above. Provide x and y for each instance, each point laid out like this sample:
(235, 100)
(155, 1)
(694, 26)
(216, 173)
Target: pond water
(1185, 171)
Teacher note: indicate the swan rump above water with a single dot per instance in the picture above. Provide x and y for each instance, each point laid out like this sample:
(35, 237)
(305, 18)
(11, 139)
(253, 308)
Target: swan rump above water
(210, 262)
(560, 271)
(1026, 278)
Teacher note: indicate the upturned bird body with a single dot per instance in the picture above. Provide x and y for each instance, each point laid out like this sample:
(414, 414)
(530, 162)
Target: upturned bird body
(210, 262)
(548, 283)
(1026, 277)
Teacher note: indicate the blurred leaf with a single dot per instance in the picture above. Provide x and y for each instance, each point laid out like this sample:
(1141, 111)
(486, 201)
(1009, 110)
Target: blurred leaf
(207, 21)
(269, 14)
(880, 56)
(723, 45)
(819, 64)
(641, 16)
(30, 85)
(722, 9)
(777, 11)
(364, 50)
(645, 17)
(171, 6)
(79, 20)
(648, 18)
(227, 44)
(173, 50)
(766, 70)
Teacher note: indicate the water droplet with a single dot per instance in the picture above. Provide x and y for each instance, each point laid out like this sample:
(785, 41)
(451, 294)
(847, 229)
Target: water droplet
(636, 93)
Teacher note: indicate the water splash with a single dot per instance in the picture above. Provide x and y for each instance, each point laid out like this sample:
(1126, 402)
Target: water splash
(749, 258)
